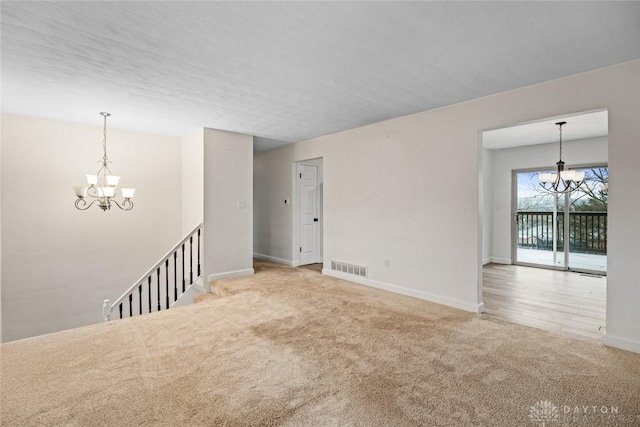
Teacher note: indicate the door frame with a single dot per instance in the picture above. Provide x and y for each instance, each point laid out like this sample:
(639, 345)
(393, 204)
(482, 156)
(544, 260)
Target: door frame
(296, 218)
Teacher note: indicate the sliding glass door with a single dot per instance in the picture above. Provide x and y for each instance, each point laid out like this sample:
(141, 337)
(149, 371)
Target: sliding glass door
(587, 224)
(539, 218)
(545, 235)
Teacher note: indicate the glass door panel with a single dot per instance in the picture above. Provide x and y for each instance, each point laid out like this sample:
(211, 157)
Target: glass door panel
(539, 222)
(587, 225)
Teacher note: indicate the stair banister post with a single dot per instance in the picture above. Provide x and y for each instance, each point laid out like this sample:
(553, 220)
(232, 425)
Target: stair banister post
(106, 310)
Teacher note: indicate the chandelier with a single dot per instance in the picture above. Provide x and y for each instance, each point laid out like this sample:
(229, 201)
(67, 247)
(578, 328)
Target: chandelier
(563, 181)
(102, 186)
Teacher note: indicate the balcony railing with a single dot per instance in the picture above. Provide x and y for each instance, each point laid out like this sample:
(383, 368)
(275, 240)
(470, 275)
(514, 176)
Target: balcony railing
(587, 231)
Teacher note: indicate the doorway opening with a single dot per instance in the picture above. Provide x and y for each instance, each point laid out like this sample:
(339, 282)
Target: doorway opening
(544, 256)
(308, 220)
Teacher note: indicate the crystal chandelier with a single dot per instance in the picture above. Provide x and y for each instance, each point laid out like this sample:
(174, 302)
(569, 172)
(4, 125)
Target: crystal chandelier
(102, 186)
(563, 181)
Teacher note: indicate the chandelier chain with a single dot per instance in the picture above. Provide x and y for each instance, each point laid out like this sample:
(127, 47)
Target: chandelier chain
(560, 142)
(104, 140)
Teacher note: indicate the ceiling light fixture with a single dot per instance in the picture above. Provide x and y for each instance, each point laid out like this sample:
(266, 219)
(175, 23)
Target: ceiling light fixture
(102, 186)
(563, 181)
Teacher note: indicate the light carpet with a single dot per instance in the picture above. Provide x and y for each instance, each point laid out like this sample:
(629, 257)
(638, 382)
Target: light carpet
(291, 347)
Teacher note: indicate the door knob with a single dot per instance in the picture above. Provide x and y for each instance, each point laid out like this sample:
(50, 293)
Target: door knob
(315, 219)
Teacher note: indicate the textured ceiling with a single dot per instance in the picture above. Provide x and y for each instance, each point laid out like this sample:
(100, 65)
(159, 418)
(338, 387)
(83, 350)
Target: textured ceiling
(289, 71)
(581, 126)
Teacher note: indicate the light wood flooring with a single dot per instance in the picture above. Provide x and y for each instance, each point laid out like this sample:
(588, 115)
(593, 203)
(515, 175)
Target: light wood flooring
(563, 302)
(314, 267)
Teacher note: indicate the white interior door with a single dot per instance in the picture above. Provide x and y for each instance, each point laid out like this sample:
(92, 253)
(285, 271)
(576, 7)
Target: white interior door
(309, 214)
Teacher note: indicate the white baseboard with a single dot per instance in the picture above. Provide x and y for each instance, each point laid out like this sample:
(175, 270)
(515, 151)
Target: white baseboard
(199, 286)
(622, 343)
(486, 261)
(187, 297)
(229, 274)
(498, 260)
(451, 302)
(276, 260)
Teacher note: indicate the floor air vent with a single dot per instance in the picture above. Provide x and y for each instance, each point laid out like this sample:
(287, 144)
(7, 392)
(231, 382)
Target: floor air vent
(345, 267)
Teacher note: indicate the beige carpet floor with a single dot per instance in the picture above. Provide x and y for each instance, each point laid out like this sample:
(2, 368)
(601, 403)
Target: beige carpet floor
(292, 347)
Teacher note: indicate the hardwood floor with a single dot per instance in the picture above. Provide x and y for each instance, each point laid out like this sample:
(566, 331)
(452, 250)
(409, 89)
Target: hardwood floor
(314, 267)
(563, 302)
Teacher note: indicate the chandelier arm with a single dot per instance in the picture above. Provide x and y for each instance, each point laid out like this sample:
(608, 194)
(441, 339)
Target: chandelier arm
(104, 166)
(93, 189)
(82, 205)
(127, 204)
(104, 170)
(95, 194)
(558, 188)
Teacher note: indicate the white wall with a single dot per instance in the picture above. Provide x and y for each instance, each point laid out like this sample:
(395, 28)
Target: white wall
(486, 198)
(192, 180)
(273, 220)
(58, 263)
(228, 204)
(380, 203)
(1, 197)
(407, 189)
(589, 151)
